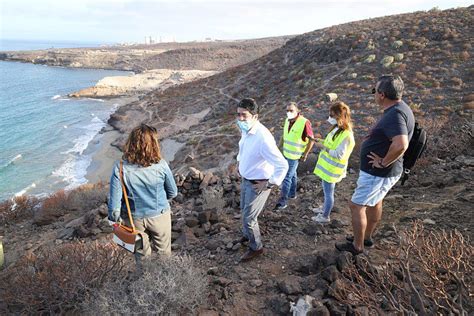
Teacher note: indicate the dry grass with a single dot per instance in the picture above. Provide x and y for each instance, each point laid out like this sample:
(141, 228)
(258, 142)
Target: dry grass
(171, 286)
(445, 139)
(85, 197)
(17, 209)
(430, 272)
(56, 280)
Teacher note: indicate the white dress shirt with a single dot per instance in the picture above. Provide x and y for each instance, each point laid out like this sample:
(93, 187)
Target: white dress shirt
(259, 157)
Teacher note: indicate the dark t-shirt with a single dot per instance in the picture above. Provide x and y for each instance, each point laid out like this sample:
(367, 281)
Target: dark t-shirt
(396, 120)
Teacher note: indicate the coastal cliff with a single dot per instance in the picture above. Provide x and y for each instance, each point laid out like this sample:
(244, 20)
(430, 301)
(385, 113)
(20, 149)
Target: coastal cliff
(157, 79)
(210, 56)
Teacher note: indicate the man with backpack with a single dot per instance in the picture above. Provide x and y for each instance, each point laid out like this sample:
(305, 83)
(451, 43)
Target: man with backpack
(381, 162)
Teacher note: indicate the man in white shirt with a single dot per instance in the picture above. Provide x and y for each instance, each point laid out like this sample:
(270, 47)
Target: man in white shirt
(261, 166)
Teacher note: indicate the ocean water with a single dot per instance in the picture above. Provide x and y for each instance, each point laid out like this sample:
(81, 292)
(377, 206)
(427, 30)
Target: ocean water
(43, 134)
(13, 44)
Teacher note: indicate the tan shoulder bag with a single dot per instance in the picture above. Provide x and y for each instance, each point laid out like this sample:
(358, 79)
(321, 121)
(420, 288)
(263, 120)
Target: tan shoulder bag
(124, 236)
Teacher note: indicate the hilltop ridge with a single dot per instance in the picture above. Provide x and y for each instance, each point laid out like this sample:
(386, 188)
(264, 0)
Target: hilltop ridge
(211, 56)
(430, 50)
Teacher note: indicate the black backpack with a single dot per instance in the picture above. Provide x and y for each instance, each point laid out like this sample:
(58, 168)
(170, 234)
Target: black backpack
(416, 147)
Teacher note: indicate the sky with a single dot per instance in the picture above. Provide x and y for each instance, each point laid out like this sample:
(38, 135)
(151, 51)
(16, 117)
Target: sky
(114, 21)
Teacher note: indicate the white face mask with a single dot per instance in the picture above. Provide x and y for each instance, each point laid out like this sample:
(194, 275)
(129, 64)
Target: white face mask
(291, 115)
(332, 120)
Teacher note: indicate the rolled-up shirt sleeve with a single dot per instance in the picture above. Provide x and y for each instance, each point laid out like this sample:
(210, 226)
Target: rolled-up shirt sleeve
(273, 156)
(341, 150)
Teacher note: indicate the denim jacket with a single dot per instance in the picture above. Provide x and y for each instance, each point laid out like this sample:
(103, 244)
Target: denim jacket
(148, 190)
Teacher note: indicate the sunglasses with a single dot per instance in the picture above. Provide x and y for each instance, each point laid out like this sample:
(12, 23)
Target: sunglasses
(376, 91)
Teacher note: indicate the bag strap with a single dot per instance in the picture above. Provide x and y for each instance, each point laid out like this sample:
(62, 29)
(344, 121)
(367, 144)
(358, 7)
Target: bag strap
(126, 197)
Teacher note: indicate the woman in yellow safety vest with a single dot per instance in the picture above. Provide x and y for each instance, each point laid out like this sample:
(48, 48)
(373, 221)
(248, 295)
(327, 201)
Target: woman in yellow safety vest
(334, 156)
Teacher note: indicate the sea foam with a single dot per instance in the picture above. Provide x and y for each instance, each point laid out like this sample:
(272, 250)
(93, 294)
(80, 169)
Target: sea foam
(74, 169)
(11, 161)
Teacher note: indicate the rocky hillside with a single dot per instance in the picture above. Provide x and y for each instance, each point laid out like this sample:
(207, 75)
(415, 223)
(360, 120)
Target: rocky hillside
(430, 50)
(212, 56)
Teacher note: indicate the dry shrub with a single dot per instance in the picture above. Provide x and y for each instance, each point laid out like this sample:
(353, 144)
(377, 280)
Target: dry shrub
(464, 55)
(57, 279)
(5, 211)
(87, 196)
(402, 67)
(17, 209)
(51, 208)
(56, 202)
(421, 76)
(468, 105)
(445, 138)
(429, 273)
(168, 286)
(456, 81)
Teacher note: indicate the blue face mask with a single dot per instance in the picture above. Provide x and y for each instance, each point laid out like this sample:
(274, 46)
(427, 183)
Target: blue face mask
(244, 126)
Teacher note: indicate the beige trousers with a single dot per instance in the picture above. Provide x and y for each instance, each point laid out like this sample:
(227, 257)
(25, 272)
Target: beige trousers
(156, 234)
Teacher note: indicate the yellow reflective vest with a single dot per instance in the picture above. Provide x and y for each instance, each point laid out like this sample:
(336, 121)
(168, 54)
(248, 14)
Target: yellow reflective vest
(293, 145)
(329, 168)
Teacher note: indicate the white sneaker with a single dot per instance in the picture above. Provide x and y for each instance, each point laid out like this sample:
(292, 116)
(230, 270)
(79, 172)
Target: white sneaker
(320, 218)
(318, 210)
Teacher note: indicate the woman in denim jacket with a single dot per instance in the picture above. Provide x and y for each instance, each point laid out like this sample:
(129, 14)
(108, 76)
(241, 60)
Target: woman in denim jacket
(149, 184)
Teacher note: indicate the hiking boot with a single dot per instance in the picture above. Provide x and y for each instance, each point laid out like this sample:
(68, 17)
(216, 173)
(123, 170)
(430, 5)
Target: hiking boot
(349, 247)
(369, 243)
(280, 207)
(318, 210)
(250, 254)
(320, 218)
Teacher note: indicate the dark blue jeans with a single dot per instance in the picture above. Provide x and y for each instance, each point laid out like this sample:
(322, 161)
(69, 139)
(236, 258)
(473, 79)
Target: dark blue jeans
(288, 187)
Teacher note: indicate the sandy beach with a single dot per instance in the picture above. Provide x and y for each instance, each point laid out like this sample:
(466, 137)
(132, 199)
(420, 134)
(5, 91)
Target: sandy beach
(103, 157)
(104, 154)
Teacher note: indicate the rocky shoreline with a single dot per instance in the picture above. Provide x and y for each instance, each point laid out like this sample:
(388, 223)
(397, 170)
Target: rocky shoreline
(136, 84)
(210, 56)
